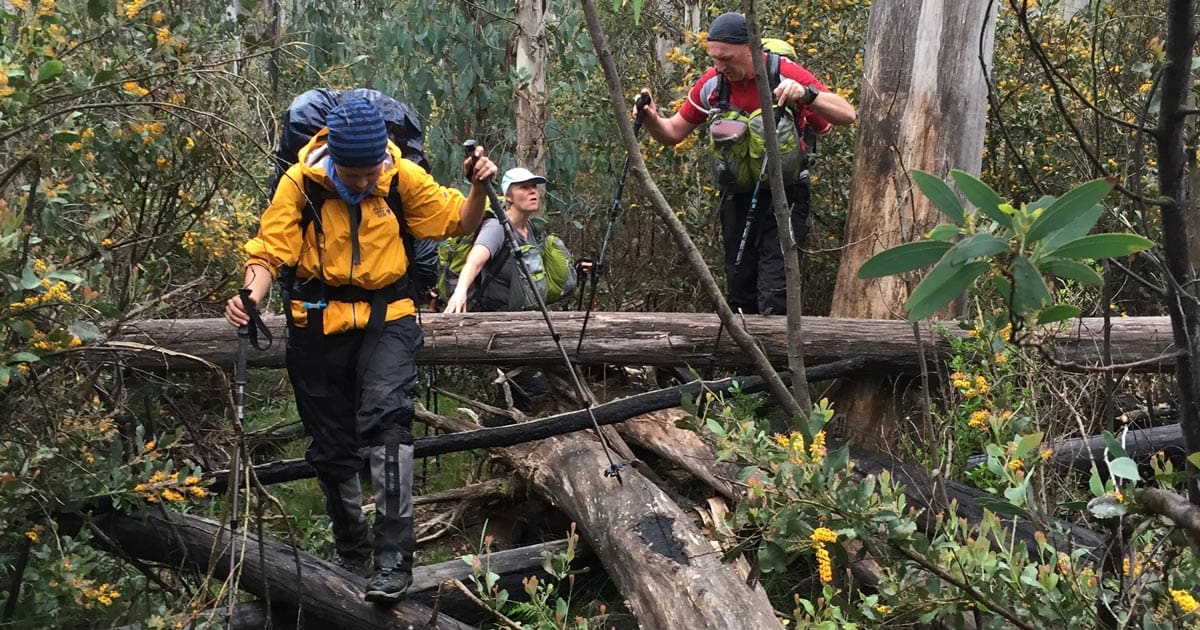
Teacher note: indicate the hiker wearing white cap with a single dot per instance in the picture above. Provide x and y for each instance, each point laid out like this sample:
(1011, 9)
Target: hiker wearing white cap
(490, 279)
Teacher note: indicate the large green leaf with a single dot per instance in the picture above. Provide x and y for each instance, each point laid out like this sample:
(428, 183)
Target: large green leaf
(1068, 207)
(978, 246)
(1077, 228)
(1071, 270)
(50, 69)
(1097, 246)
(902, 258)
(943, 284)
(982, 196)
(1029, 289)
(940, 194)
(1058, 313)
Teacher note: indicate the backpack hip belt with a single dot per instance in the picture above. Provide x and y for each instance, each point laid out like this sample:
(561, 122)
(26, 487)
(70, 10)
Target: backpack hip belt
(315, 294)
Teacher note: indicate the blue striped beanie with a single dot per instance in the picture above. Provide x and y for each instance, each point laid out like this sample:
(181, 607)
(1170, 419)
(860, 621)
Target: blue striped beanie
(357, 134)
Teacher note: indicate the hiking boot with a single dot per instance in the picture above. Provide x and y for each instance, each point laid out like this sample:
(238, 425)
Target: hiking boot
(388, 584)
(360, 567)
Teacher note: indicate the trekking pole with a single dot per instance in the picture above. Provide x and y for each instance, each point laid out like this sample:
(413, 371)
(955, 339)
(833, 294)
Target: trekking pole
(613, 470)
(239, 380)
(643, 99)
(752, 215)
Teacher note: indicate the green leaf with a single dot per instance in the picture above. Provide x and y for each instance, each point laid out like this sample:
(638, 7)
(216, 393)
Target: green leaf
(50, 69)
(1001, 508)
(23, 357)
(1068, 207)
(1097, 246)
(942, 285)
(5, 376)
(29, 280)
(940, 194)
(1017, 494)
(1194, 459)
(1027, 443)
(1106, 507)
(1094, 483)
(1114, 447)
(1077, 228)
(978, 246)
(944, 232)
(1058, 313)
(982, 196)
(902, 258)
(1124, 468)
(1030, 291)
(1071, 270)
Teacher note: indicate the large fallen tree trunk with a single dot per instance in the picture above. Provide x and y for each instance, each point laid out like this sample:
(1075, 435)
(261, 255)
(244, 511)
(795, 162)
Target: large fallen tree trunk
(1139, 444)
(665, 339)
(282, 574)
(608, 413)
(670, 574)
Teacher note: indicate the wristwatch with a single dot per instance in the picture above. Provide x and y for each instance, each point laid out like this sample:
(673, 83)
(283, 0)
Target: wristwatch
(810, 94)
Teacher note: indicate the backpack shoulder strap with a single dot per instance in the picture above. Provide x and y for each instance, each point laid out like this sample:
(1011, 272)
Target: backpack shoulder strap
(773, 76)
(315, 196)
(722, 93)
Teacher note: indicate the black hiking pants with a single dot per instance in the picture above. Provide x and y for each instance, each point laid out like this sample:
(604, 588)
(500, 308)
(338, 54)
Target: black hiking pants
(759, 284)
(355, 393)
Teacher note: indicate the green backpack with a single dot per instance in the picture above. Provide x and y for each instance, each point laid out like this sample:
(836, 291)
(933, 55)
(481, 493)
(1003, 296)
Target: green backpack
(499, 285)
(738, 147)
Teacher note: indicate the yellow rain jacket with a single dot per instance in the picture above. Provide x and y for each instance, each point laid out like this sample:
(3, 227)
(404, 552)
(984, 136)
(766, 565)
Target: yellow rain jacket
(430, 211)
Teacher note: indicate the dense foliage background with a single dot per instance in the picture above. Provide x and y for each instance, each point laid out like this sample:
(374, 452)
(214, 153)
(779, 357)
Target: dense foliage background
(134, 151)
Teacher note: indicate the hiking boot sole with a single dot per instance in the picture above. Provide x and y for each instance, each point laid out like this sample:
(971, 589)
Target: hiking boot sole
(385, 597)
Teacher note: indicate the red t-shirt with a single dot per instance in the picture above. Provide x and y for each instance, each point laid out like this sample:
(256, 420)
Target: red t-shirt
(744, 96)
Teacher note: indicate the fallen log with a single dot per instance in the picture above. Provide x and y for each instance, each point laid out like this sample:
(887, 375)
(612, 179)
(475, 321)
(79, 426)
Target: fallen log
(1139, 444)
(657, 433)
(245, 616)
(654, 430)
(608, 413)
(323, 591)
(670, 574)
(662, 339)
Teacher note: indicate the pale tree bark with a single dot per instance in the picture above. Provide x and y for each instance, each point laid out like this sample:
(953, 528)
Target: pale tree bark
(687, 15)
(529, 45)
(923, 106)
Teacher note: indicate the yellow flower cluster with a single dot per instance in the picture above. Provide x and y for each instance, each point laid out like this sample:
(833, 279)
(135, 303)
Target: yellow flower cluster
(134, 88)
(820, 536)
(33, 532)
(816, 451)
(163, 487)
(1184, 600)
(103, 594)
(970, 386)
(133, 8)
(979, 418)
(45, 8)
(54, 293)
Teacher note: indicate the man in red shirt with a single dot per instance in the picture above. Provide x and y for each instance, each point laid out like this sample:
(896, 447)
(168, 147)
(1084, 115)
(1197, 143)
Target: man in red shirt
(758, 284)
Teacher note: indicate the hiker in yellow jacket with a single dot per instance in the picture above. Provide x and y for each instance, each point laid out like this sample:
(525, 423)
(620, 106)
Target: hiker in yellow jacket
(332, 238)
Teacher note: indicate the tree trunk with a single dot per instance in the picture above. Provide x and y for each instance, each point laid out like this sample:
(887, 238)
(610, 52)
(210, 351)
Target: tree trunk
(922, 107)
(331, 595)
(529, 44)
(1140, 445)
(662, 339)
(668, 572)
(657, 432)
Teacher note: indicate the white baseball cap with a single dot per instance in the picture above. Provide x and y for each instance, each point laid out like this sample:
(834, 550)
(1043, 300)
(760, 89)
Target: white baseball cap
(519, 175)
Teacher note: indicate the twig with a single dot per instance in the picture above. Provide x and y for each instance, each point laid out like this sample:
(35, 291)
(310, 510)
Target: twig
(504, 621)
(963, 585)
(1070, 366)
(14, 588)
